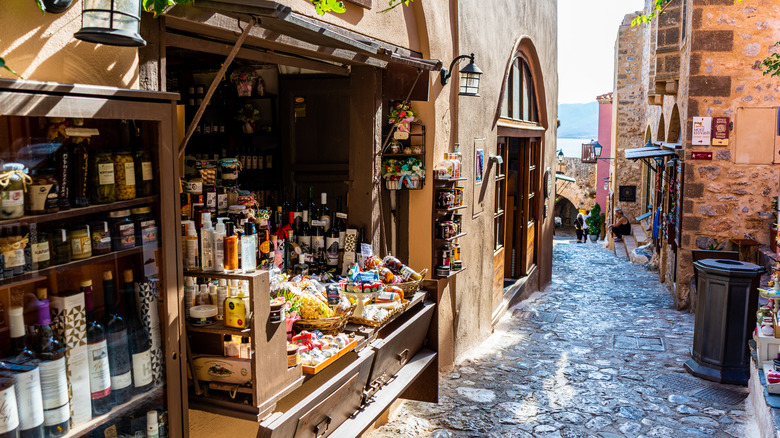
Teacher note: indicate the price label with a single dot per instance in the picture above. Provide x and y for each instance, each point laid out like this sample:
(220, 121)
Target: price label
(365, 250)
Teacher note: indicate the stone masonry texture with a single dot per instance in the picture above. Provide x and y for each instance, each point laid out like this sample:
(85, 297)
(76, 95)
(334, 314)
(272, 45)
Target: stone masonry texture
(594, 355)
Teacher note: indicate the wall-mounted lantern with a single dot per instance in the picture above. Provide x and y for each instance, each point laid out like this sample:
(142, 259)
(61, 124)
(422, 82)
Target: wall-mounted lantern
(469, 76)
(113, 23)
(560, 155)
(57, 6)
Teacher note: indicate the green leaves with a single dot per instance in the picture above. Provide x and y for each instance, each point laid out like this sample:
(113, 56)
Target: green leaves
(158, 6)
(771, 64)
(2, 65)
(323, 6)
(394, 3)
(41, 6)
(657, 8)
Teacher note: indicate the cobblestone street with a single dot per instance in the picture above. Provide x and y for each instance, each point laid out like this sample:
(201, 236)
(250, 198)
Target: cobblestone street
(599, 353)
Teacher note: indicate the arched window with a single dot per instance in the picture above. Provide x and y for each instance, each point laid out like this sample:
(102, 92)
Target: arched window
(519, 101)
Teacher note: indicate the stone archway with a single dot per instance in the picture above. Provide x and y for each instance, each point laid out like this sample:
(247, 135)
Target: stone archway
(565, 210)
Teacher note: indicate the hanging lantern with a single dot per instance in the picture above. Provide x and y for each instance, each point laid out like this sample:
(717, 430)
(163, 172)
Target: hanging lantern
(111, 22)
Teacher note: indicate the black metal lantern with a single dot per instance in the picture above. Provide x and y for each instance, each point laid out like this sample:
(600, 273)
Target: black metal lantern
(560, 155)
(57, 6)
(597, 149)
(469, 76)
(111, 22)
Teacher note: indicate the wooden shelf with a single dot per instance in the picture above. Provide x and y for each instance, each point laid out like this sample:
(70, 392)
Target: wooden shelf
(447, 210)
(41, 274)
(219, 328)
(79, 212)
(402, 155)
(118, 413)
(214, 274)
(453, 273)
(453, 180)
(450, 239)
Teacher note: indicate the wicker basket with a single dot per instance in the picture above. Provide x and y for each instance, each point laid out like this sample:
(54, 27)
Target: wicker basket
(411, 287)
(371, 322)
(328, 326)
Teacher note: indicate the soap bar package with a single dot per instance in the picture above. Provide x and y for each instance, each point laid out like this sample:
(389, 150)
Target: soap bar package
(69, 322)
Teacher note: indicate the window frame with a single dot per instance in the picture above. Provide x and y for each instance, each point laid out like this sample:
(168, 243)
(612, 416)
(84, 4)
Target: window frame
(520, 99)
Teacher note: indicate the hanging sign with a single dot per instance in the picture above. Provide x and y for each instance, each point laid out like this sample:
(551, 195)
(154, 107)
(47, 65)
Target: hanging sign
(701, 155)
(702, 130)
(720, 131)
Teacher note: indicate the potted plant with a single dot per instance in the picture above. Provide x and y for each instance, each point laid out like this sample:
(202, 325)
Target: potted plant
(594, 222)
(401, 116)
(248, 114)
(244, 79)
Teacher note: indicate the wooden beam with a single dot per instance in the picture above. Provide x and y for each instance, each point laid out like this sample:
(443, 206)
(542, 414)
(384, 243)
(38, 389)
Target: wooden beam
(214, 84)
(193, 43)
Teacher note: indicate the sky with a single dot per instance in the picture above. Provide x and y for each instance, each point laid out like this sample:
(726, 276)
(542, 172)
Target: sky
(586, 46)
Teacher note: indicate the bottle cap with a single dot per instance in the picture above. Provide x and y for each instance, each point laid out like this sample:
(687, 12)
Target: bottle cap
(229, 229)
(42, 293)
(151, 421)
(128, 275)
(206, 221)
(85, 283)
(249, 229)
(107, 276)
(44, 317)
(189, 282)
(228, 338)
(220, 226)
(191, 230)
(222, 282)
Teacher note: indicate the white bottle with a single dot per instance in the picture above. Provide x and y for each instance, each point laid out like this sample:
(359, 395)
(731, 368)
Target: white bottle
(189, 294)
(152, 428)
(249, 248)
(219, 246)
(191, 248)
(206, 244)
(222, 294)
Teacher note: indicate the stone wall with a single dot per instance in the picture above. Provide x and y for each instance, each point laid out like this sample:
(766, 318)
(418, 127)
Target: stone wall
(629, 103)
(582, 194)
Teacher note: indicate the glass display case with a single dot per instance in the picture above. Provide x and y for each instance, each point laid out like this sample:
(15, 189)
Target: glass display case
(89, 333)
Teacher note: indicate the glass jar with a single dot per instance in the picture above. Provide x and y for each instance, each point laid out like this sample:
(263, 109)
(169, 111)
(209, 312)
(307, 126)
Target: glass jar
(102, 178)
(125, 175)
(43, 193)
(12, 246)
(145, 226)
(193, 186)
(230, 169)
(144, 173)
(238, 214)
(60, 247)
(101, 237)
(41, 251)
(122, 230)
(80, 242)
(12, 194)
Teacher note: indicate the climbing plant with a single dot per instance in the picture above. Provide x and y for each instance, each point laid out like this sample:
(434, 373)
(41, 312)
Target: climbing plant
(657, 8)
(771, 63)
(3, 65)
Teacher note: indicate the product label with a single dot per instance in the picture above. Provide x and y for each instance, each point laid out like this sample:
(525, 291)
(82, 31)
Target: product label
(28, 394)
(127, 236)
(54, 385)
(105, 173)
(13, 258)
(211, 199)
(149, 235)
(317, 223)
(101, 240)
(332, 251)
(229, 175)
(119, 360)
(269, 162)
(325, 222)
(265, 247)
(129, 174)
(193, 187)
(9, 415)
(99, 375)
(341, 216)
(40, 252)
(146, 170)
(191, 253)
(259, 163)
(222, 202)
(53, 417)
(254, 162)
(81, 245)
(342, 239)
(11, 198)
(318, 242)
(40, 197)
(142, 368)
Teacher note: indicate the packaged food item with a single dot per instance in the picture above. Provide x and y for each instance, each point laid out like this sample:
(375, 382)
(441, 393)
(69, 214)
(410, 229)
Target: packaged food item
(144, 174)
(80, 242)
(386, 275)
(124, 169)
(60, 246)
(145, 226)
(13, 180)
(122, 230)
(41, 251)
(101, 237)
(102, 178)
(43, 192)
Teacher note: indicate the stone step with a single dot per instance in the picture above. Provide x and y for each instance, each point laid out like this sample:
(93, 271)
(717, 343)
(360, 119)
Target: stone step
(639, 234)
(630, 245)
(620, 250)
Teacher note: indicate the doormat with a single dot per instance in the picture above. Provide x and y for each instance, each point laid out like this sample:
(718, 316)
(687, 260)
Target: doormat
(681, 382)
(645, 343)
(721, 395)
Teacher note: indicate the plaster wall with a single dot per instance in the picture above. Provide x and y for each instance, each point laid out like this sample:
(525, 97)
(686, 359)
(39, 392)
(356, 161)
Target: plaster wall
(42, 48)
(533, 25)
(605, 139)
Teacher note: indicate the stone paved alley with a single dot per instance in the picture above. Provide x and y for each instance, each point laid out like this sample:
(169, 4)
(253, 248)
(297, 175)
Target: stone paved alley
(599, 353)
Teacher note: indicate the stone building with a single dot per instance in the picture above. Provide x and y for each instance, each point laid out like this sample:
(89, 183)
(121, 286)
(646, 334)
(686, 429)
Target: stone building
(702, 59)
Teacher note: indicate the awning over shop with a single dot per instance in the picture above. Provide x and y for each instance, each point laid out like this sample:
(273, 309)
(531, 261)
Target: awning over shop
(563, 177)
(648, 152)
(280, 29)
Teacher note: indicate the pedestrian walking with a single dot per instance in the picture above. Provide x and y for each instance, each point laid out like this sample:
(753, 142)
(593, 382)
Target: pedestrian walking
(579, 225)
(621, 227)
(585, 229)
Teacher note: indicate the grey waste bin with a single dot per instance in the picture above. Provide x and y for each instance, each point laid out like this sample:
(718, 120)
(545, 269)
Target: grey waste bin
(726, 304)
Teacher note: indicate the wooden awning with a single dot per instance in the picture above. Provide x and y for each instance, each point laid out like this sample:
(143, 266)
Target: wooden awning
(284, 32)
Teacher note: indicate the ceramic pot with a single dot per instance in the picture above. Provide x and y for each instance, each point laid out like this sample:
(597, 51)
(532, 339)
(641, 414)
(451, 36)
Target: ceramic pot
(244, 89)
(248, 128)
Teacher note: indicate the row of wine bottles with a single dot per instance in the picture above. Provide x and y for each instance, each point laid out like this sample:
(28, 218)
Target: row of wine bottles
(119, 361)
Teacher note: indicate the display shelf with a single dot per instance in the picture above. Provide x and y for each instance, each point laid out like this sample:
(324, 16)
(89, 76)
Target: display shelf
(447, 210)
(452, 273)
(79, 212)
(450, 239)
(402, 155)
(452, 180)
(41, 274)
(227, 276)
(117, 412)
(219, 328)
(321, 366)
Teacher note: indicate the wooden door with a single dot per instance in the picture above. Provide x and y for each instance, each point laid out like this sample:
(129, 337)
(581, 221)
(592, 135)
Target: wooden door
(532, 197)
(501, 225)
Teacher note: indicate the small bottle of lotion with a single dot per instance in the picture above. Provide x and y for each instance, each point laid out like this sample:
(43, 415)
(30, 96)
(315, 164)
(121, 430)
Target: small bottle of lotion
(191, 248)
(219, 246)
(206, 244)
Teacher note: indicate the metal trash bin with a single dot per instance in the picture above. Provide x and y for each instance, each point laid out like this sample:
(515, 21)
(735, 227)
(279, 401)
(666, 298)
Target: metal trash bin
(726, 305)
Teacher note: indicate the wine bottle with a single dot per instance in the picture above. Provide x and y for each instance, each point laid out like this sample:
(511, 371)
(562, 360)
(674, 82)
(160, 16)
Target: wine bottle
(137, 339)
(19, 350)
(9, 410)
(99, 374)
(311, 207)
(304, 236)
(317, 238)
(54, 382)
(118, 350)
(324, 212)
(286, 208)
(28, 397)
(298, 211)
(332, 247)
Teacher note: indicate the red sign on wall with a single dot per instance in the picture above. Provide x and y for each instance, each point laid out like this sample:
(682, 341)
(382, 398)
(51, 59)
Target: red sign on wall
(701, 155)
(720, 131)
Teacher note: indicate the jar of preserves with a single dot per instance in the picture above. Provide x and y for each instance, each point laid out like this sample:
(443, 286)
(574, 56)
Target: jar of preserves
(230, 168)
(238, 214)
(101, 237)
(60, 247)
(124, 168)
(193, 186)
(80, 242)
(144, 173)
(12, 180)
(122, 230)
(145, 226)
(43, 193)
(12, 246)
(41, 251)
(102, 178)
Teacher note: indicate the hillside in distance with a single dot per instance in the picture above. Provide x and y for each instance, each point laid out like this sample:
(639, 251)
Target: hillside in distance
(578, 120)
